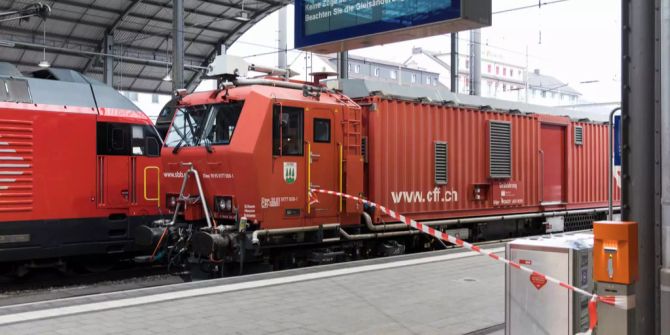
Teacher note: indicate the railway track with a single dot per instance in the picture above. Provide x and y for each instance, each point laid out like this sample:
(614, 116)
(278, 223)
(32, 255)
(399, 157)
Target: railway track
(49, 285)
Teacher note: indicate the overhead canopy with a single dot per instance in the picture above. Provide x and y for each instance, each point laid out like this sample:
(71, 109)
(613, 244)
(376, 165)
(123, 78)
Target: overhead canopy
(141, 40)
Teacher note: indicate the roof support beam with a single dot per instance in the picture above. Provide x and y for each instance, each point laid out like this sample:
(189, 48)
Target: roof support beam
(108, 68)
(82, 53)
(177, 44)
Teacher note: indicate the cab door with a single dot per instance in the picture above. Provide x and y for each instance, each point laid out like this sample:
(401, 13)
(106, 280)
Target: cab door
(114, 165)
(323, 164)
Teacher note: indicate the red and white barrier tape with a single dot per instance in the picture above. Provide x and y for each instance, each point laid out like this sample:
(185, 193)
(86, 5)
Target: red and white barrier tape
(618, 301)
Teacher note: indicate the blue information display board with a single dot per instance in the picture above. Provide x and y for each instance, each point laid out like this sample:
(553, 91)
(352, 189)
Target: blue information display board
(324, 25)
(617, 140)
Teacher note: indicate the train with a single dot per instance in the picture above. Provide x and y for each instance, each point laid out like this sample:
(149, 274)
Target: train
(79, 171)
(240, 164)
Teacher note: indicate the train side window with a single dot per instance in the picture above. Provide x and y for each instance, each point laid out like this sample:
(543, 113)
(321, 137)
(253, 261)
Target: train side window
(123, 139)
(113, 139)
(322, 130)
(287, 131)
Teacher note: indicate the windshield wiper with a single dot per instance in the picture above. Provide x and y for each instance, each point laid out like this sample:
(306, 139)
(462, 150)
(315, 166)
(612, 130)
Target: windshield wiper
(208, 146)
(177, 147)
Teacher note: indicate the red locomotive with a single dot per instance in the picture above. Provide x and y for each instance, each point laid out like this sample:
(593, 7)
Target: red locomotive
(79, 169)
(239, 162)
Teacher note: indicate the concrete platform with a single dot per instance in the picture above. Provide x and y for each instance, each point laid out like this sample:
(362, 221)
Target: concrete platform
(448, 292)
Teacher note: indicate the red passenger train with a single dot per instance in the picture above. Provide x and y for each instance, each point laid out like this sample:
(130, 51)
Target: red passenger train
(79, 168)
(238, 164)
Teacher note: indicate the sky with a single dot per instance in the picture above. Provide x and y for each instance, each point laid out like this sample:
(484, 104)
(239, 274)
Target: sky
(575, 41)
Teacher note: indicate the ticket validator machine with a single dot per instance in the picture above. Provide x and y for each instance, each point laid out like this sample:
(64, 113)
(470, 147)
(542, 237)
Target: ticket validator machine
(615, 257)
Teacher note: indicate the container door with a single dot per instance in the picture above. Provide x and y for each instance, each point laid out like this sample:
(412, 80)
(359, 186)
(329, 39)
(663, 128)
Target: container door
(113, 165)
(552, 164)
(323, 169)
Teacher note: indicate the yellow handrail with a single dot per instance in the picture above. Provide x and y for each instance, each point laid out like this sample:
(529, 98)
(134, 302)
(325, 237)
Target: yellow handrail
(341, 173)
(158, 184)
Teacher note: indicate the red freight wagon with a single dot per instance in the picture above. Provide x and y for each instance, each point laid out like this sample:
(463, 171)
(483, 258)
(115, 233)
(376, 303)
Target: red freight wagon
(79, 168)
(239, 164)
(435, 161)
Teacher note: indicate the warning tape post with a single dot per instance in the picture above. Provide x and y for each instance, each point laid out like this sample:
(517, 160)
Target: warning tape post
(536, 277)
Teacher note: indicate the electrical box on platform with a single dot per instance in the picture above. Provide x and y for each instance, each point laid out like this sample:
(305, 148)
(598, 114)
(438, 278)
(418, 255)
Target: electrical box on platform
(535, 306)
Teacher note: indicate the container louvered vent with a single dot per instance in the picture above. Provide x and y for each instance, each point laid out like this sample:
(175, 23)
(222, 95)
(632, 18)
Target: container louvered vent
(441, 163)
(500, 149)
(579, 135)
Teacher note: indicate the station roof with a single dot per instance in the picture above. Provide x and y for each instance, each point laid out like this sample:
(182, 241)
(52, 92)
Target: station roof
(141, 30)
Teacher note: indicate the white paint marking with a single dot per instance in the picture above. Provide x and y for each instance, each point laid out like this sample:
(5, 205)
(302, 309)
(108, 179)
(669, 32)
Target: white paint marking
(162, 297)
(7, 180)
(14, 165)
(10, 158)
(3, 143)
(4, 187)
(11, 173)
(9, 151)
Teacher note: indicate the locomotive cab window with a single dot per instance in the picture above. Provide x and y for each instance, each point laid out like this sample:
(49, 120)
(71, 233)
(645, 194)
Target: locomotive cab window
(225, 117)
(204, 125)
(287, 131)
(322, 130)
(123, 139)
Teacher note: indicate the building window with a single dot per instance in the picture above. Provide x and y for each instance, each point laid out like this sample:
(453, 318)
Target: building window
(511, 73)
(489, 68)
(413, 78)
(434, 81)
(154, 98)
(519, 73)
(357, 69)
(544, 94)
(377, 72)
(504, 71)
(394, 74)
(427, 80)
(497, 70)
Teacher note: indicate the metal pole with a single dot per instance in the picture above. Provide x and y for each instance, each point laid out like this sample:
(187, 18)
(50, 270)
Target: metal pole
(639, 168)
(664, 275)
(108, 67)
(454, 62)
(343, 65)
(177, 44)
(526, 74)
(475, 62)
(282, 63)
(610, 170)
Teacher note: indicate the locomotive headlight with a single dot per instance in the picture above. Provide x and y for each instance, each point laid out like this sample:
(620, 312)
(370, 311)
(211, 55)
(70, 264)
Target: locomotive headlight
(171, 201)
(224, 204)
